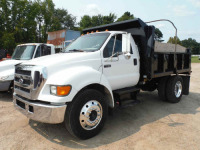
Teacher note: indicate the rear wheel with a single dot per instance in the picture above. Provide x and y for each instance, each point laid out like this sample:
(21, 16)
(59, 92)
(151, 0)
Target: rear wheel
(86, 115)
(174, 89)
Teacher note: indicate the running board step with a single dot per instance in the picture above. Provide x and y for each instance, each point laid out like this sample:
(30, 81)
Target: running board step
(126, 90)
(128, 103)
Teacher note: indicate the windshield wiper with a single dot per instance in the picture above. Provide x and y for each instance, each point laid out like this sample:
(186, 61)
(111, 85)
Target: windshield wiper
(76, 50)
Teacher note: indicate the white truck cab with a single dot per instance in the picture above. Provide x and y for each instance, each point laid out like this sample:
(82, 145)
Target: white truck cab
(22, 53)
(92, 74)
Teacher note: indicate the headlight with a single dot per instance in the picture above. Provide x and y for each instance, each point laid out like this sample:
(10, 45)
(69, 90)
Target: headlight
(60, 90)
(4, 78)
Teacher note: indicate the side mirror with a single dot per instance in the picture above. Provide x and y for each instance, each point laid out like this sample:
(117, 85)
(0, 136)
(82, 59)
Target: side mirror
(126, 42)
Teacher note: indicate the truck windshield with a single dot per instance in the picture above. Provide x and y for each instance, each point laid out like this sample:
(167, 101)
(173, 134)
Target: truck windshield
(24, 52)
(90, 42)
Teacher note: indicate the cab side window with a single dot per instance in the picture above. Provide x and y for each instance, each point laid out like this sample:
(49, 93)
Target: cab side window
(46, 50)
(109, 48)
(43, 51)
(116, 43)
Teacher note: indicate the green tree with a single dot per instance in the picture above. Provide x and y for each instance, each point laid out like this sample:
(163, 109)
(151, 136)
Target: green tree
(33, 10)
(19, 11)
(126, 16)
(172, 40)
(26, 21)
(97, 20)
(1, 27)
(5, 13)
(62, 20)
(109, 19)
(47, 11)
(191, 44)
(85, 22)
(8, 41)
(158, 35)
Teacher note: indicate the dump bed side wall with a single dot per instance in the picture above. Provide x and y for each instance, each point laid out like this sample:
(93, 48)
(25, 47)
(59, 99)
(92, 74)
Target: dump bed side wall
(161, 59)
(164, 64)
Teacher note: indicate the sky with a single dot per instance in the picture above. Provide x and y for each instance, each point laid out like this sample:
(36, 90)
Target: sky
(185, 14)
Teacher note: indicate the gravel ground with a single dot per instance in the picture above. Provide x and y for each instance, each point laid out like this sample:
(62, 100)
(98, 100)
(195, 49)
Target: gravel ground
(151, 124)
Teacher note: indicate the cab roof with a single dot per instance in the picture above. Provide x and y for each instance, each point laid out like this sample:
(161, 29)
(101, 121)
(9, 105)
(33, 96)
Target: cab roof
(36, 44)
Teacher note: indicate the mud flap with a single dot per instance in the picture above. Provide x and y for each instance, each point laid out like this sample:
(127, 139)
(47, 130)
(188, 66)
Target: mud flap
(186, 84)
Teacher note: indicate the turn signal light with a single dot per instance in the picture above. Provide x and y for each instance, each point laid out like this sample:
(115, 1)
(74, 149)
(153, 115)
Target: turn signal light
(106, 30)
(63, 90)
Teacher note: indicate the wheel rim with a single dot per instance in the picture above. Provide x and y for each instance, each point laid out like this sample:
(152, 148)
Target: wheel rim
(91, 115)
(178, 89)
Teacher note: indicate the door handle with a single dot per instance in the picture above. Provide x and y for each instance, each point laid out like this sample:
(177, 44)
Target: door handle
(107, 66)
(135, 61)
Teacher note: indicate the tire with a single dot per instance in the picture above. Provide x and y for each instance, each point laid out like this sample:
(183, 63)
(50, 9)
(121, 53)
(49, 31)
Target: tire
(162, 88)
(174, 89)
(77, 114)
(11, 88)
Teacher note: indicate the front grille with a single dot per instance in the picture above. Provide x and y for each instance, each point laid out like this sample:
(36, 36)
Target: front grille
(23, 72)
(25, 81)
(22, 89)
(28, 81)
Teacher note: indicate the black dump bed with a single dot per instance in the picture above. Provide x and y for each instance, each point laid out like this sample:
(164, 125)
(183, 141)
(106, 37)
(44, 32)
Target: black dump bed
(156, 59)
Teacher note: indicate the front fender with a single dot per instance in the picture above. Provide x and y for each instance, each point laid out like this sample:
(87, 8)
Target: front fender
(108, 90)
(77, 77)
(9, 73)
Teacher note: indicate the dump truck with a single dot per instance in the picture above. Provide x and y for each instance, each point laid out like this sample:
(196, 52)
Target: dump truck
(22, 53)
(96, 70)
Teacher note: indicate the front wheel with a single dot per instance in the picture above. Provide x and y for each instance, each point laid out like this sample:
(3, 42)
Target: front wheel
(86, 114)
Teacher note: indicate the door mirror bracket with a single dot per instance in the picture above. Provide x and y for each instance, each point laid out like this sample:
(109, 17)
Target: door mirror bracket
(127, 55)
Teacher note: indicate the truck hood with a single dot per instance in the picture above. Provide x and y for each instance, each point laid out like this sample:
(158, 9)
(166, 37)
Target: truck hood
(9, 64)
(63, 61)
(62, 58)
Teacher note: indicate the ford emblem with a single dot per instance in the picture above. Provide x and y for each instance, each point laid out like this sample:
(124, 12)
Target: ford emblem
(21, 80)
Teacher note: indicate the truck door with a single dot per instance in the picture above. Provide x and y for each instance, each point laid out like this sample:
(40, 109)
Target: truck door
(121, 70)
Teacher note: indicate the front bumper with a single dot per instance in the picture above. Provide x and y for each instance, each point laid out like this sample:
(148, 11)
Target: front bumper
(41, 112)
(4, 85)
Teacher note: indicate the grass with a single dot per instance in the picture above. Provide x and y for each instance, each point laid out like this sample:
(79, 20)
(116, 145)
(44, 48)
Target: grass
(195, 59)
